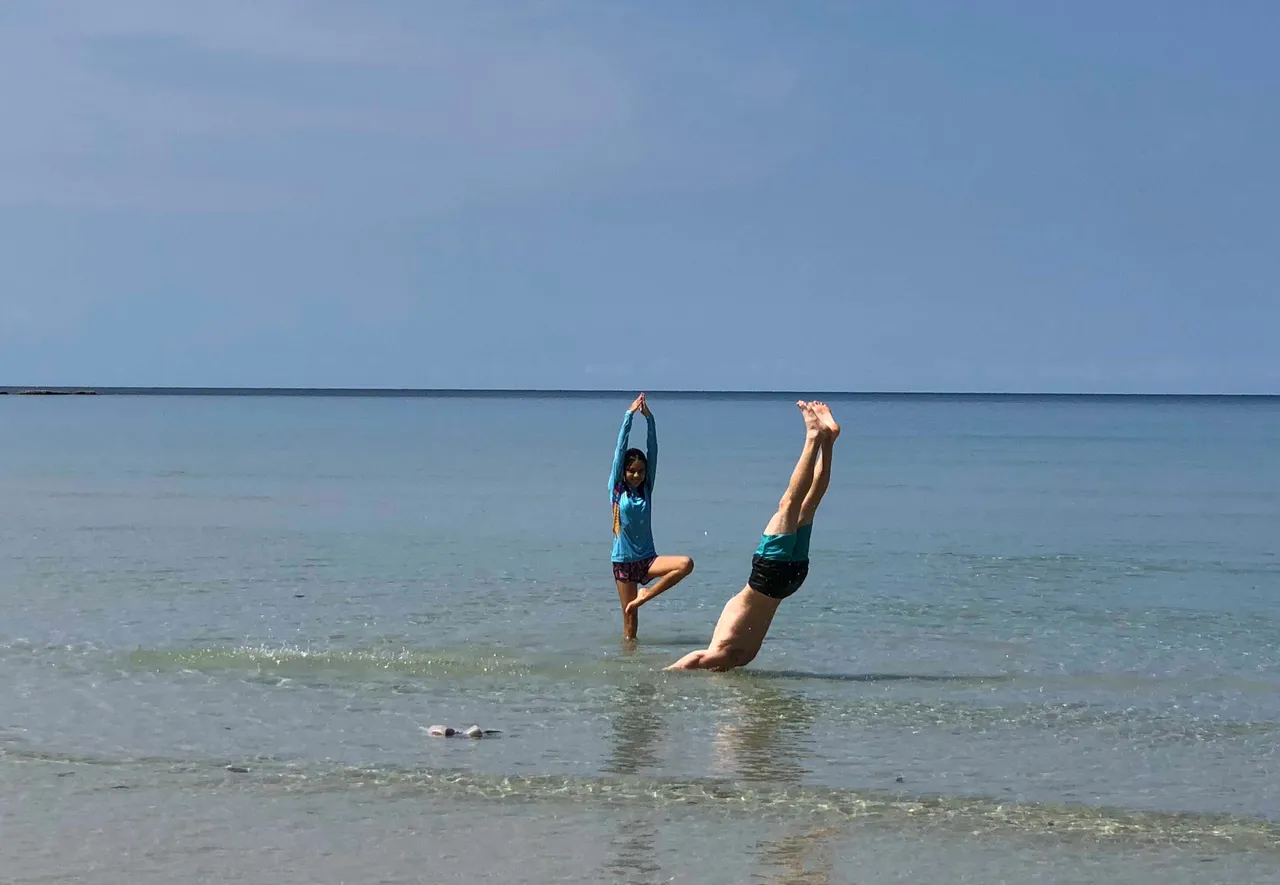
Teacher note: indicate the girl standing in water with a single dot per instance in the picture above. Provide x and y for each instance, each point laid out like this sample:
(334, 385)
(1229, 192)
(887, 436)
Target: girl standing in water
(635, 560)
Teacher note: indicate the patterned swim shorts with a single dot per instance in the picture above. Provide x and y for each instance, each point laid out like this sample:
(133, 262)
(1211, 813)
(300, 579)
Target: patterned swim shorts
(636, 571)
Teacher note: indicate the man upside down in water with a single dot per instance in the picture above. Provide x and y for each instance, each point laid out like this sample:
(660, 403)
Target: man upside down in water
(781, 562)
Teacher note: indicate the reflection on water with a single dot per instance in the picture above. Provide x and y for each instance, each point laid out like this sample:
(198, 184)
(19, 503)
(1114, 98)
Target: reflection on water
(883, 677)
(633, 851)
(800, 859)
(637, 726)
(763, 733)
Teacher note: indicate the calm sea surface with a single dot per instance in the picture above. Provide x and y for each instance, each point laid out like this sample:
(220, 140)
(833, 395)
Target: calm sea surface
(1039, 643)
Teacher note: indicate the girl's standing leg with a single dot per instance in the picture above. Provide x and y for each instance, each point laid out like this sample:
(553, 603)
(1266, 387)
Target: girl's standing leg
(627, 591)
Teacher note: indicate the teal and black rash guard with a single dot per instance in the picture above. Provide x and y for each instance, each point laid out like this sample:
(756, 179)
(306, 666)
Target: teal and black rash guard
(634, 538)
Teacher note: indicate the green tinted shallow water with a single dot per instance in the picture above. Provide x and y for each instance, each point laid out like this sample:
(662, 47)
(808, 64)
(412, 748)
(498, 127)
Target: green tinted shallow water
(1043, 630)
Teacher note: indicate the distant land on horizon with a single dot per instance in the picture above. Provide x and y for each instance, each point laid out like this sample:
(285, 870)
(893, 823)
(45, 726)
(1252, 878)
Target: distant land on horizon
(88, 390)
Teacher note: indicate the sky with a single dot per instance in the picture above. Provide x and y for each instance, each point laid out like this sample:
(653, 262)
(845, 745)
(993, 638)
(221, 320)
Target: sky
(908, 195)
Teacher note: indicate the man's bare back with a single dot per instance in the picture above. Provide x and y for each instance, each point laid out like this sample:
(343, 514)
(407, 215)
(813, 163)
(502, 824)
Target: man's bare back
(782, 561)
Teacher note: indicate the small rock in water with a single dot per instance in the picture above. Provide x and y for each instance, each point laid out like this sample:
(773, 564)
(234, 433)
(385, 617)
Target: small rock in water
(900, 779)
(445, 731)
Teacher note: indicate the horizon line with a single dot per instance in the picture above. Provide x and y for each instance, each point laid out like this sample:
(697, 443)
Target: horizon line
(115, 390)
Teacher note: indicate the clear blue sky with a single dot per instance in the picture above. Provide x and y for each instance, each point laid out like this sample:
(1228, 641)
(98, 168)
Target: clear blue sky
(992, 196)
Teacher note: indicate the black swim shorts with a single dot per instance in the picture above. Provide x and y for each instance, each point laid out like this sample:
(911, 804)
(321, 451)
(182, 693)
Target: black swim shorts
(777, 578)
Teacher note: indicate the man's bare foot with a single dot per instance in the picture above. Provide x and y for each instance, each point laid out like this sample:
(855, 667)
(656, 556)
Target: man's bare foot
(823, 413)
(811, 422)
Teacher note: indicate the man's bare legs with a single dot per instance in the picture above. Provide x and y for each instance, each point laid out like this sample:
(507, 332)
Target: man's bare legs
(746, 617)
(822, 468)
(786, 519)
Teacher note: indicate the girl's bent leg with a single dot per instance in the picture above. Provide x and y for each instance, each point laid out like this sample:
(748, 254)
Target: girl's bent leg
(669, 571)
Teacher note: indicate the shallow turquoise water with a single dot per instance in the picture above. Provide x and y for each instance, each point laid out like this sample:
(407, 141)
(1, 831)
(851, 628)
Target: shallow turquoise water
(1025, 619)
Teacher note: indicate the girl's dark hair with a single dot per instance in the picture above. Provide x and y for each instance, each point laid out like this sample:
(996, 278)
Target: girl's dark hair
(630, 457)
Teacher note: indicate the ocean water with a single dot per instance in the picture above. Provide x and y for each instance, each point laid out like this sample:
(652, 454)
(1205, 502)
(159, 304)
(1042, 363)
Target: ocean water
(1039, 643)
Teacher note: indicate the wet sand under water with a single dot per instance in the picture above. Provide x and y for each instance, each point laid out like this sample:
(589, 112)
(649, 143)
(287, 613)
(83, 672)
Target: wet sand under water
(99, 824)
